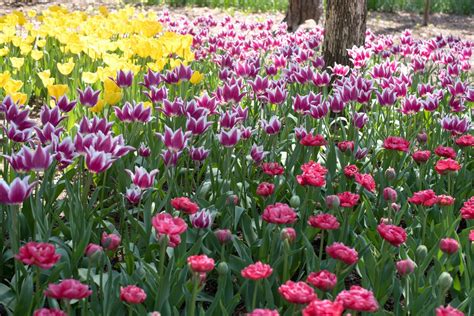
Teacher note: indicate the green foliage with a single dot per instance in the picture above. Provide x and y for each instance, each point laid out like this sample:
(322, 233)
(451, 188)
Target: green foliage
(462, 7)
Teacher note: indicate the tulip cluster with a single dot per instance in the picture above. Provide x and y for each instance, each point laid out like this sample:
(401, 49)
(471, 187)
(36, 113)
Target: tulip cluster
(272, 185)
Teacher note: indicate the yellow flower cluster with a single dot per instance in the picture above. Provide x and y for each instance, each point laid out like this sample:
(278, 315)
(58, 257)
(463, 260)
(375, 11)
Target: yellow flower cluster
(63, 48)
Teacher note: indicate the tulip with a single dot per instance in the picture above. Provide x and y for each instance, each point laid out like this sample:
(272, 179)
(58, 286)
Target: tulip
(141, 178)
(202, 219)
(88, 97)
(15, 192)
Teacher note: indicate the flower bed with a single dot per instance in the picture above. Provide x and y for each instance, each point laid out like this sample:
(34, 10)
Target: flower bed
(218, 167)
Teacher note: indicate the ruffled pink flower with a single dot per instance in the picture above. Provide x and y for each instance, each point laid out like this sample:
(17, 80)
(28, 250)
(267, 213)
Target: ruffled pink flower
(323, 280)
(279, 213)
(341, 252)
(297, 292)
(358, 299)
(324, 221)
(38, 254)
(257, 271)
(68, 289)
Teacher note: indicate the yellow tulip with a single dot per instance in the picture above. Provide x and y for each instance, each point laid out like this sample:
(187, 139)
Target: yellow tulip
(45, 77)
(12, 86)
(17, 62)
(196, 78)
(98, 107)
(41, 43)
(4, 51)
(4, 77)
(37, 54)
(57, 90)
(19, 97)
(148, 104)
(112, 93)
(89, 77)
(65, 68)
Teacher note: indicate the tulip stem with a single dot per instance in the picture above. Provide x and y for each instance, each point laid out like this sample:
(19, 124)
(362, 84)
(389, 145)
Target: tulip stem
(255, 292)
(14, 236)
(164, 244)
(285, 259)
(192, 306)
(321, 248)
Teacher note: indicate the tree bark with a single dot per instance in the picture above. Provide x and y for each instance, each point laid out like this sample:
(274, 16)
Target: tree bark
(345, 27)
(301, 10)
(426, 13)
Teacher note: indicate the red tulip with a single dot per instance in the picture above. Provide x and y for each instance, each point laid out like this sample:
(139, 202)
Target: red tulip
(132, 294)
(38, 254)
(257, 271)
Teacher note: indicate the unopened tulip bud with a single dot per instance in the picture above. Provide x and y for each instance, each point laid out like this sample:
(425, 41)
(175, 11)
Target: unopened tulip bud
(232, 200)
(295, 201)
(390, 173)
(445, 281)
(396, 207)
(389, 194)
(405, 267)
(422, 138)
(332, 201)
(222, 268)
(421, 253)
(223, 235)
(288, 233)
(94, 252)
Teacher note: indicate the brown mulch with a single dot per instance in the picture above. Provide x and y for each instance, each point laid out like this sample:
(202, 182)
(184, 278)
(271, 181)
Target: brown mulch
(379, 22)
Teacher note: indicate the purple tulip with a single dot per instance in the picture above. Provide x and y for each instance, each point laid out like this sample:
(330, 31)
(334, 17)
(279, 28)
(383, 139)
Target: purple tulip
(273, 126)
(133, 194)
(157, 94)
(88, 97)
(197, 127)
(257, 153)
(144, 151)
(65, 105)
(410, 105)
(301, 104)
(20, 118)
(336, 104)
(17, 135)
(202, 219)
(208, 103)
(27, 159)
(170, 157)
(321, 79)
(361, 153)
(198, 154)
(276, 95)
(95, 125)
(16, 192)
(133, 113)
(175, 141)
(229, 119)
(98, 161)
(65, 153)
(171, 109)
(151, 79)
(246, 132)
(359, 119)
(229, 138)
(124, 79)
(48, 134)
(387, 97)
(259, 85)
(319, 111)
(229, 93)
(141, 178)
(455, 125)
(52, 116)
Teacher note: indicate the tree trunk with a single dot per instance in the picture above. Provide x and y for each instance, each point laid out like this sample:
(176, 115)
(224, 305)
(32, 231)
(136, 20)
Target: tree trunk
(426, 13)
(301, 10)
(345, 27)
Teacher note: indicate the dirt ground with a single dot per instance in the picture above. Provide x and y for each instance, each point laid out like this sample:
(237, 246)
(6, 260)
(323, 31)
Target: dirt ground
(379, 22)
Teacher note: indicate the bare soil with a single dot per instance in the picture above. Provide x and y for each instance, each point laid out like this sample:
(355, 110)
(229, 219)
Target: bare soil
(378, 22)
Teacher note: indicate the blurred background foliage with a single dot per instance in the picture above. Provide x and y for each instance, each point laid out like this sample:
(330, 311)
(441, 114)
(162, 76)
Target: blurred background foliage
(461, 7)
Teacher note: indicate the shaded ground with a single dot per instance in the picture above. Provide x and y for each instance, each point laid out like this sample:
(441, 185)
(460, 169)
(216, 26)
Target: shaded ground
(379, 22)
